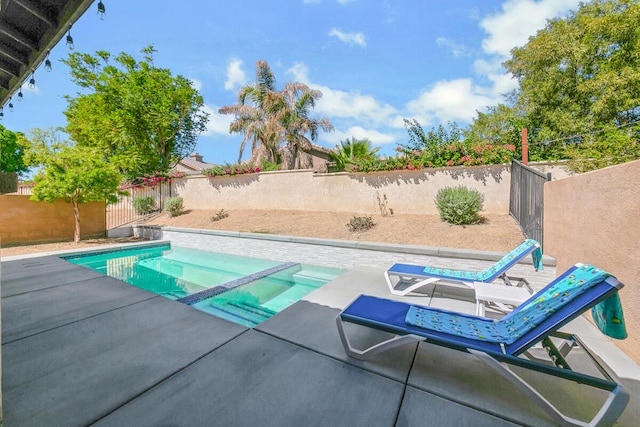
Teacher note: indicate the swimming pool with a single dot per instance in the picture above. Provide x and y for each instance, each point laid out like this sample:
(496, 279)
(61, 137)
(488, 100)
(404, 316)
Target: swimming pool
(240, 289)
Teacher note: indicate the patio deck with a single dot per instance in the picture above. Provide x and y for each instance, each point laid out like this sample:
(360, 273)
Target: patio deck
(80, 348)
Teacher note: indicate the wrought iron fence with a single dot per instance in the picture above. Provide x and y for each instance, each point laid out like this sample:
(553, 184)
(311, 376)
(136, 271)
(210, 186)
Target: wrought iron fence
(123, 212)
(526, 199)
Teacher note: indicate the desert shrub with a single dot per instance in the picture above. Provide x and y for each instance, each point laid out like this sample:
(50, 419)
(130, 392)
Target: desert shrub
(173, 206)
(459, 205)
(144, 205)
(220, 215)
(360, 223)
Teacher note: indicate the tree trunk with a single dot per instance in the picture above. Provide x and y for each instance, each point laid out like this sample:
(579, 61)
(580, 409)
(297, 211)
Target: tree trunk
(76, 217)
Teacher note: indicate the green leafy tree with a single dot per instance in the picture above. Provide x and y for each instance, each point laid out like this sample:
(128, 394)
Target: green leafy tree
(12, 146)
(140, 116)
(74, 173)
(580, 75)
(351, 150)
(278, 123)
(429, 141)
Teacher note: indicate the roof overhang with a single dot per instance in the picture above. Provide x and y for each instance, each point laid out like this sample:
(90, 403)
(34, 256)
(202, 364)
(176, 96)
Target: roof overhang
(29, 29)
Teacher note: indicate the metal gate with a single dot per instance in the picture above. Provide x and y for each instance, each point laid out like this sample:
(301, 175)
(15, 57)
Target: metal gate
(123, 212)
(526, 201)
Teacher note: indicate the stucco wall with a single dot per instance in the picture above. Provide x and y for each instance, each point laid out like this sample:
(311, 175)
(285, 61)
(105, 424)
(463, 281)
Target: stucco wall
(595, 218)
(23, 220)
(407, 192)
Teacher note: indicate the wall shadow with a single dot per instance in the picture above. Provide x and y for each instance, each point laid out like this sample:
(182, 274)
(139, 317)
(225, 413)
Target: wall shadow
(477, 173)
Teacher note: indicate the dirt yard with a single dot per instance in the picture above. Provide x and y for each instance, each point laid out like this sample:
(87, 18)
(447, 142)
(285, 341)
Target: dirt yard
(495, 233)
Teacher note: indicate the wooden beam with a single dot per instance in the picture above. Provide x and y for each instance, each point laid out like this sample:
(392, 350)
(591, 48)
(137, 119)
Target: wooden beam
(18, 37)
(36, 10)
(6, 67)
(14, 55)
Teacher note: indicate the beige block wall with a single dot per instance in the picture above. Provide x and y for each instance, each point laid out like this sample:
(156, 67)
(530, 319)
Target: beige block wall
(595, 218)
(25, 221)
(407, 192)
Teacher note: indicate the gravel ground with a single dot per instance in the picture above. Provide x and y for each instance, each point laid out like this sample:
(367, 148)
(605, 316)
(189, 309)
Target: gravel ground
(494, 233)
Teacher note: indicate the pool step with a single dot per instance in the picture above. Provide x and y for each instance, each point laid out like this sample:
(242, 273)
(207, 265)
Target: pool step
(240, 312)
(200, 296)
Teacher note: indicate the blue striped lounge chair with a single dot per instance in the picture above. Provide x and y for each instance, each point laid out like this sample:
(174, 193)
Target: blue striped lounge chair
(508, 341)
(405, 278)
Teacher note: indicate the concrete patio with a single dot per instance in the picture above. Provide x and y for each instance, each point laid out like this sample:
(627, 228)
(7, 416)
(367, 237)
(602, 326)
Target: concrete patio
(80, 348)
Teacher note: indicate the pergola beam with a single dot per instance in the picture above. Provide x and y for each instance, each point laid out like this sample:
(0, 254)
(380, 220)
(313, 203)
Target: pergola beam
(14, 55)
(18, 37)
(35, 10)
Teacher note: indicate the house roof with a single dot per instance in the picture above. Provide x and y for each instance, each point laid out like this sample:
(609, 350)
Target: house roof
(29, 29)
(194, 162)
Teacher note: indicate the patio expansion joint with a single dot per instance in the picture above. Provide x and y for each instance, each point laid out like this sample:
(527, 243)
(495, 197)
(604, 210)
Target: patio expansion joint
(347, 362)
(166, 378)
(152, 296)
(51, 287)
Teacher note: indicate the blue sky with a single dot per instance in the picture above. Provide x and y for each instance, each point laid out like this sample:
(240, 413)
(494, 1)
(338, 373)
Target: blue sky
(375, 61)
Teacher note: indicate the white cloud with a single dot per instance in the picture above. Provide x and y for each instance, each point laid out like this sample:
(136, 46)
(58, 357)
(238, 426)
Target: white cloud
(349, 38)
(197, 84)
(508, 28)
(341, 104)
(455, 48)
(31, 90)
(218, 123)
(375, 136)
(344, 1)
(350, 108)
(451, 100)
(518, 20)
(236, 77)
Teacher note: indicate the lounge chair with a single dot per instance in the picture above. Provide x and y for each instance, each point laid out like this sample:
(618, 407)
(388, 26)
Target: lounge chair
(510, 339)
(416, 276)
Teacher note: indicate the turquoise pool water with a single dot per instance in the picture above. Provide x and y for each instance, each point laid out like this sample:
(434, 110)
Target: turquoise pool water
(240, 289)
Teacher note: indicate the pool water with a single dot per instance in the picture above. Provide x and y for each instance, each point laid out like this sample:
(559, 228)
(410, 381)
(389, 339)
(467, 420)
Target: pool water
(240, 289)
(253, 303)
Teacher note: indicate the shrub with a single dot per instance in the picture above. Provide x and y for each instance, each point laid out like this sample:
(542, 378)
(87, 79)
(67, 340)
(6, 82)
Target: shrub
(144, 205)
(459, 205)
(360, 223)
(220, 215)
(173, 206)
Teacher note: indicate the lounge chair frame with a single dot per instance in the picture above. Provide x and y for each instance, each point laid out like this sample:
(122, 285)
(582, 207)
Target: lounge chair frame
(499, 356)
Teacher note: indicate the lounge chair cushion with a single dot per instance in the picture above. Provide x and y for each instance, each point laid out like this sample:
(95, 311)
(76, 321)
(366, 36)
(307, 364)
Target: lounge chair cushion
(490, 272)
(517, 323)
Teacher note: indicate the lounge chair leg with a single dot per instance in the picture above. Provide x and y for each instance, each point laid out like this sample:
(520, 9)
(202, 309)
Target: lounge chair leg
(606, 416)
(396, 341)
(409, 289)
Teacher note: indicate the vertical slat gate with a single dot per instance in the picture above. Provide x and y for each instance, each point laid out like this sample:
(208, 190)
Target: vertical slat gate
(526, 201)
(123, 212)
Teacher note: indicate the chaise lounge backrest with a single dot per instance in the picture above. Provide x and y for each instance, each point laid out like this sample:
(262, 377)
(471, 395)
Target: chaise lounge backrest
(570, 295)
(527, 247)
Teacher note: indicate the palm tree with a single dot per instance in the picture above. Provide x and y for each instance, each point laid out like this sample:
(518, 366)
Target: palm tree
(251, 117)
(297, 101)
(269, 118)
(350, 150)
